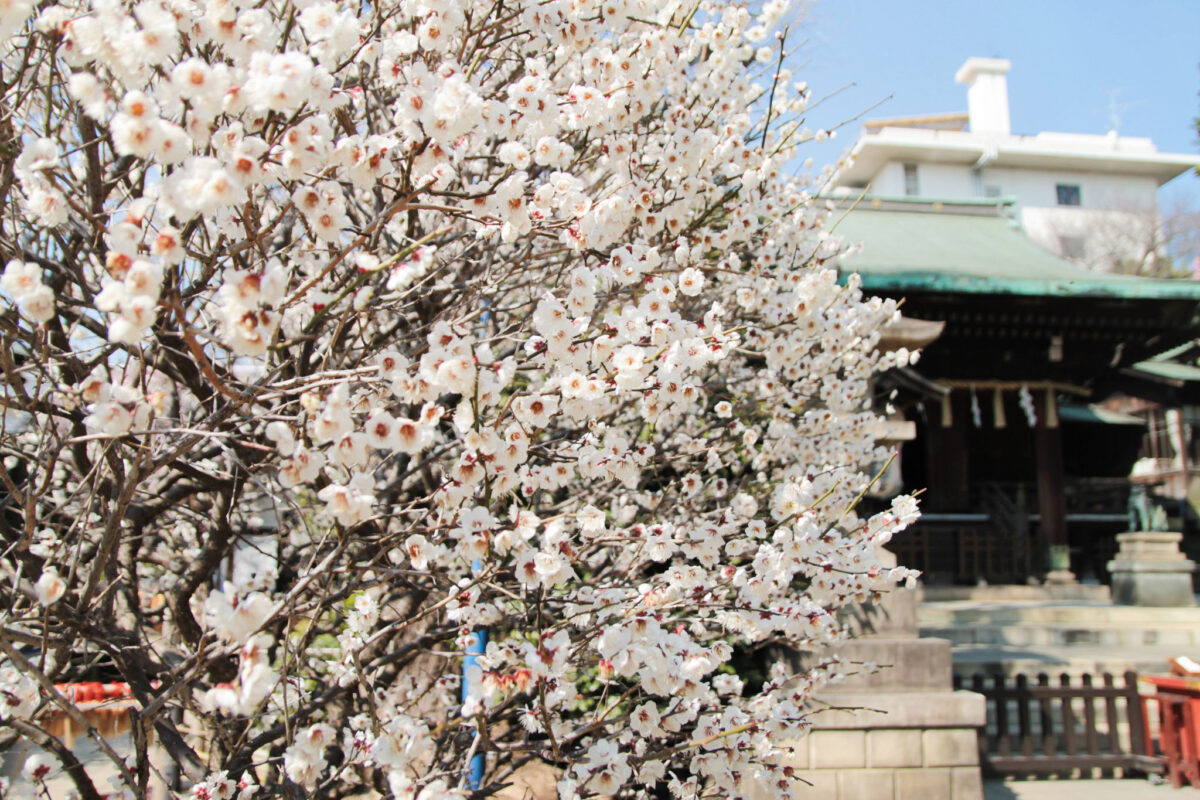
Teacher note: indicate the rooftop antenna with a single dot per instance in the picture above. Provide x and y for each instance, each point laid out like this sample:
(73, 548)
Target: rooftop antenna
(1117, 110)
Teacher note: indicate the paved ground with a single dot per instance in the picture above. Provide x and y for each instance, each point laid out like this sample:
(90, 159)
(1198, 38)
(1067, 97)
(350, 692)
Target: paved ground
(1112, 789)
(1064, 636)
(1033, 659)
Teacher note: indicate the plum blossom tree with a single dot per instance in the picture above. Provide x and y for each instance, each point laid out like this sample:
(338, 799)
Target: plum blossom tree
(335, 333)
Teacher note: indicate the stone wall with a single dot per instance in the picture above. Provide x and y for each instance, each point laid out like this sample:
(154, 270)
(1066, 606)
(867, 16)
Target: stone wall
(901, 733)
(901, 757)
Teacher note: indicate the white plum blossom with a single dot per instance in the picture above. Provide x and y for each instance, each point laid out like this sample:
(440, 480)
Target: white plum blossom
(50, 587)
(120, 409)
(341, 335)
(23, 283)
(350, 503)
(19, 693)
(37, 768)
(256, 680)
(305, 761)
(235, 618)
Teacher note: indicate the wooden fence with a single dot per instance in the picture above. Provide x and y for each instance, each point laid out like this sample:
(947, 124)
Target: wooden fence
(1036, 728)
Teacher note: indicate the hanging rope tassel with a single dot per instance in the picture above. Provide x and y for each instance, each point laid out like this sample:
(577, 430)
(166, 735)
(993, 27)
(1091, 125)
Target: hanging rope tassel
(1026, 400)
(998, 409)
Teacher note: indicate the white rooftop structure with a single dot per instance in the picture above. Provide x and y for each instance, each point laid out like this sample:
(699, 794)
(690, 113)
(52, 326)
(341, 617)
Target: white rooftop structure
(986, 138)
(1087, 197)
(987, 94)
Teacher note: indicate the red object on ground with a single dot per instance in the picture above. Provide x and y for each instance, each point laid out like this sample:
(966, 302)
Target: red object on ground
(93, 691)
(1179, 732)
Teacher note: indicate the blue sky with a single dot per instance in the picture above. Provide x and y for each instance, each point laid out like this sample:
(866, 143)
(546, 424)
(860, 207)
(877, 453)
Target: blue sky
(1073, 63)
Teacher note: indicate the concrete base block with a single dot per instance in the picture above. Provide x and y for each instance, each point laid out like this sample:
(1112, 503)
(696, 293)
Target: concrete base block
(899, 733)
(1152, 589)
(822, 784)
(965, 782)
(894, 748)
(919, 745)
(905, 664)
(923, 784)
(938, 783)
(838, 749)
(1150, 570)
(874, 710)
(866, 784)
(950, 747)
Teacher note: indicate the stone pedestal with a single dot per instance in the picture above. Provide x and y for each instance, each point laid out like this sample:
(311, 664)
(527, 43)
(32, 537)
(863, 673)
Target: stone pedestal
(901, 732)
(1149, 570)
(1059, 558)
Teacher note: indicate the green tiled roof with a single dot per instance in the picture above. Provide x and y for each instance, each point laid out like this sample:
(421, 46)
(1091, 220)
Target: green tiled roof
(935, 247)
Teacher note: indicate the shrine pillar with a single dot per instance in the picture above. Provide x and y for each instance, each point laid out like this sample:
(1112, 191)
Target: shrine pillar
(1052, 501)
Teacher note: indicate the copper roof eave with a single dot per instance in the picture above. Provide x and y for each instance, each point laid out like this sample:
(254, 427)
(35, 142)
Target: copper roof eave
(911, 381)
(930, 281)
(910, 333)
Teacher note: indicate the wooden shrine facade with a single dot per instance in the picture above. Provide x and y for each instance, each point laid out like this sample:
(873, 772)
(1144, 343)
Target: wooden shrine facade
(1025, 475)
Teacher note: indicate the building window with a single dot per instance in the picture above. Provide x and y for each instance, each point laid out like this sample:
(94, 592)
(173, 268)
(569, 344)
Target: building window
(911, 187)
(1068, 194)
(1072, 247)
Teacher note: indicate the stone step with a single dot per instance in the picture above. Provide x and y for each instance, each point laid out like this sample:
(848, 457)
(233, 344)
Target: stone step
(1060, 593)
(1185, 637)
(966, 614)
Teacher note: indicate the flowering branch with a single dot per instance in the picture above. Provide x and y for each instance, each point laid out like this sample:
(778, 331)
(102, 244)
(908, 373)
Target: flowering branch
(333, 334)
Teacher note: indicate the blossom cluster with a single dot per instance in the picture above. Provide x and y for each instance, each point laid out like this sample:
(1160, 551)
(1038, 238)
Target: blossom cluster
(23, 283)
(346, 333)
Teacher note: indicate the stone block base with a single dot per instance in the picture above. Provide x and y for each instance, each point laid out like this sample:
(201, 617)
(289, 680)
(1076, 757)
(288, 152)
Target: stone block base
(1149, 570)
(892, 766)
(906, 664)
(1146, 588)
(908, 746)
(1061, 577)
(949, 783)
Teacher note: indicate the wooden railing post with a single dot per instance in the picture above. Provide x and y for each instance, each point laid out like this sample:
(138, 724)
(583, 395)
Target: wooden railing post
(1025, 725)
(1139, 722)
(1110, 714)
(1049, 743)
(1004, 743)
(1068, 716)
(1091, 735)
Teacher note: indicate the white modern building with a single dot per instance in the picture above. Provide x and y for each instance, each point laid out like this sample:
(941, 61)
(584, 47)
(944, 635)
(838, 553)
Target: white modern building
(1088, 198)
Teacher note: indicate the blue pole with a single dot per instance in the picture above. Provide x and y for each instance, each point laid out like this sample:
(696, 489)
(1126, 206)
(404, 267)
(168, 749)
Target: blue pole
(474, 650)
(477, 648)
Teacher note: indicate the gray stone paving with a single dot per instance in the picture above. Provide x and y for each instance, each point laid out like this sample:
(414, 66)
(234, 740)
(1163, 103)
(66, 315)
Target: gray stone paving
(1107, 789)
